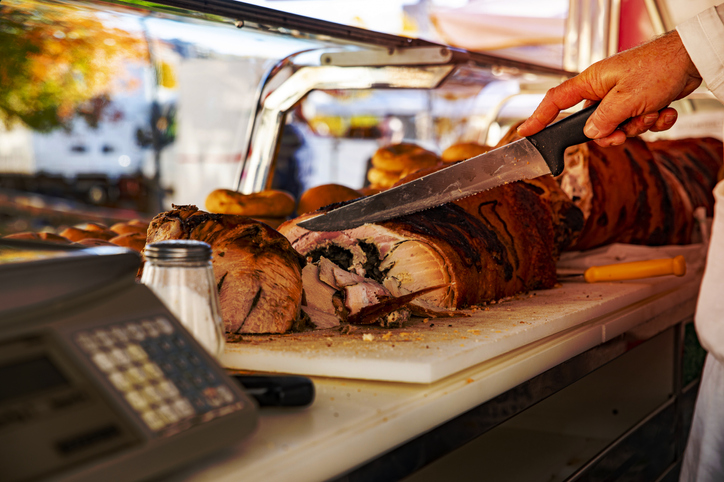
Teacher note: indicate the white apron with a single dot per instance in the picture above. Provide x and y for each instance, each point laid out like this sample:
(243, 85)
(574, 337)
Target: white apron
(704, 455)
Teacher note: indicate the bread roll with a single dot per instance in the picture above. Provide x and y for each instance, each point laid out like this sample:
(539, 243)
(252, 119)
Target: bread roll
(125, 228)
(77, 234)
(95, 242)
(95, 227)
(463, 151)
(139, 222)
(393, 162)
(270, 203)
(39, 237)
(382, 179)
(418, 174)
(404, 157)
(369, 190)
(134, 241)
(324, 195)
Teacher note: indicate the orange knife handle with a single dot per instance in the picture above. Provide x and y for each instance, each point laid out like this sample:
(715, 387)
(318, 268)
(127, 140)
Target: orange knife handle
(636, 270)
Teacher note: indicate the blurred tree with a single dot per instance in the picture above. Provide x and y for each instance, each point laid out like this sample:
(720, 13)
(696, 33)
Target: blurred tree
(57, 59)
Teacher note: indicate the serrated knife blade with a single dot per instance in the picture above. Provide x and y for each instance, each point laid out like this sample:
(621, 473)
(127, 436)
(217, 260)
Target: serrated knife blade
(525, 158)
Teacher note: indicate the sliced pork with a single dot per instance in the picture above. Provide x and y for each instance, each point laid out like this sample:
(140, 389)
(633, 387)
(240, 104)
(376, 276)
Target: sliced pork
(641, 193)
(481, 248)
(258, 273)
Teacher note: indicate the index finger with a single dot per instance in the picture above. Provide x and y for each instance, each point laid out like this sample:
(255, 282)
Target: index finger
(565, 95)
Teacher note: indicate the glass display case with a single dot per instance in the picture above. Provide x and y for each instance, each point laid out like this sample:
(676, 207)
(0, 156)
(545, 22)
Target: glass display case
(122, 109)
(116, 110)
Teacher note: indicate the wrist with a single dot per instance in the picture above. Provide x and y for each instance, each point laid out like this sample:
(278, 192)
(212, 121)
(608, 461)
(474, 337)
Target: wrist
(681, 54)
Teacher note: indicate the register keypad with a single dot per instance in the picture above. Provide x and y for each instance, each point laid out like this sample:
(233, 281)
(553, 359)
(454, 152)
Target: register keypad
(157, 372)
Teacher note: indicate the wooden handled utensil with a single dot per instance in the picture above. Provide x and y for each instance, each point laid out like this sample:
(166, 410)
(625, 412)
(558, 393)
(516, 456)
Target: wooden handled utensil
(628, 271)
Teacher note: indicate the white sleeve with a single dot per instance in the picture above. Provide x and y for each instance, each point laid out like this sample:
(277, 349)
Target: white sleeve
(709, 317)
(703, 38)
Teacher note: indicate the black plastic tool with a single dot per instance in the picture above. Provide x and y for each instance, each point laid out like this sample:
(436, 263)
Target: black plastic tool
(278, 390)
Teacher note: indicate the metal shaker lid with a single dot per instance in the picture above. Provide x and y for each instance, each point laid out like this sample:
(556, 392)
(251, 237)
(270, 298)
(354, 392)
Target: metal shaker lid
(178, 249)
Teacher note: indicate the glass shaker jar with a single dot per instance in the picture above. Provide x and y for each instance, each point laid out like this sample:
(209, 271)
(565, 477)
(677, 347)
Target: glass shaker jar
(180, 273)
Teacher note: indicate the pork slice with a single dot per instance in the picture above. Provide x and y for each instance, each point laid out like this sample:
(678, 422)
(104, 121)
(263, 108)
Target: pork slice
(258, 273)
(383, 240)
(364, 293)
(317, 294)
(398, 264)
(258, 294)
(320, 319)
(338, 278)
(341, 248)
(428, 310)
(335, 276)
(390, 311)
(414, 265)
(358, 291)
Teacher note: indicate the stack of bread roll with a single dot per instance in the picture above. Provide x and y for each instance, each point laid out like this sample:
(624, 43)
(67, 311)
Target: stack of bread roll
(42, 236)
(392, 163)
(451, 155)
(130, 234)
(271, 206)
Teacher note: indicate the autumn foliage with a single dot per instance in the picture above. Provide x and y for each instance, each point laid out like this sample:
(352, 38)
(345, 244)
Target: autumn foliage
(58, 59)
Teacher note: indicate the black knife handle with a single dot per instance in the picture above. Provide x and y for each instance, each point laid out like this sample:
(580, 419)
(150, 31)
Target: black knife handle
(278, 390)
(552, 141)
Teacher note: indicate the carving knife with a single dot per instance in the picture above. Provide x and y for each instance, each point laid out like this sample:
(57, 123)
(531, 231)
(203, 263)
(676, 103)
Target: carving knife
(526, 158)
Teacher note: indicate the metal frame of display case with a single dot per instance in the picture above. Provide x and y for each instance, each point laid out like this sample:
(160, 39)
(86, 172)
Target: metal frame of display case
(265, 131)
(375, 61)
(592, 30)
(408, 68)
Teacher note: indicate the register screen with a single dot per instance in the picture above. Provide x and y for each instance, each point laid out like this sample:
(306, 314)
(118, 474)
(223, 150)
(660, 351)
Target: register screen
(29, 376)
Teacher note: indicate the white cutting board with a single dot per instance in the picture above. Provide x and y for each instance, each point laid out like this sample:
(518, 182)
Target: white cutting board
(427, 350)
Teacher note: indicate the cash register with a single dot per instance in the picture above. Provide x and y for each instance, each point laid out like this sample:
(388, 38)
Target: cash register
(98, 380)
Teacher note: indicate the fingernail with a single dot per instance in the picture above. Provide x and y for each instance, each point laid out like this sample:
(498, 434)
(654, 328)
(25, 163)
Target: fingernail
(591, 130)
(650, 119)
(669, 118)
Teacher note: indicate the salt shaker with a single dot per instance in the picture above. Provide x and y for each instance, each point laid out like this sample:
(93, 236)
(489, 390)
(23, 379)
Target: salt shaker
(180, 273)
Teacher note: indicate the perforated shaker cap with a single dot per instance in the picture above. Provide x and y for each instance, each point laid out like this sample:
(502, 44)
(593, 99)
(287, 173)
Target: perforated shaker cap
(178, 249)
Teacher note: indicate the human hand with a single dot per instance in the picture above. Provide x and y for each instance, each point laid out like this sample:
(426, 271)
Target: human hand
(635, 88)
